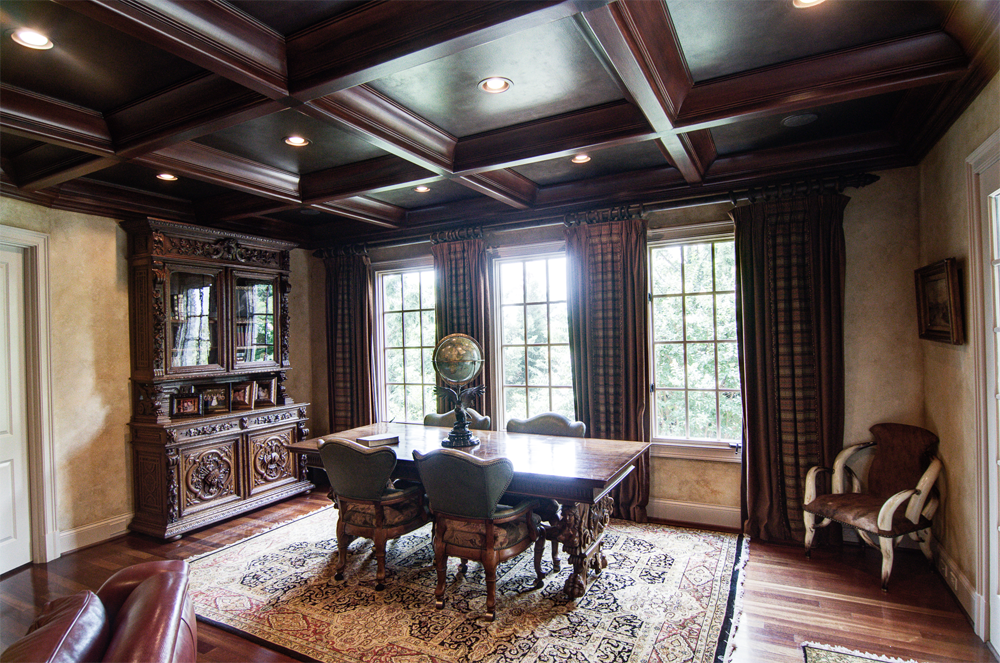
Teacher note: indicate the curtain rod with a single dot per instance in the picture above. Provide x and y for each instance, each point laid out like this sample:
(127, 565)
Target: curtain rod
(772, 191)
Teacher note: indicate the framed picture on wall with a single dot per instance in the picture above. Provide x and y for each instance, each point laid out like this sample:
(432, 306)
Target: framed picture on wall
(939, 305)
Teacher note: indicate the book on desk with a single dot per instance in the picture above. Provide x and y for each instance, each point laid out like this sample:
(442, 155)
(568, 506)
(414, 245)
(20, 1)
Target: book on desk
(378, 440)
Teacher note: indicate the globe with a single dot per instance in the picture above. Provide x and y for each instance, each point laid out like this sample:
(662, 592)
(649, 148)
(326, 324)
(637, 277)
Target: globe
(458, 358)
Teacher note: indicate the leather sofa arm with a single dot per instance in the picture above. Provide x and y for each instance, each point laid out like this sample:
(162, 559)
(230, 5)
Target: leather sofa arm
(152, 625)
(116, 589)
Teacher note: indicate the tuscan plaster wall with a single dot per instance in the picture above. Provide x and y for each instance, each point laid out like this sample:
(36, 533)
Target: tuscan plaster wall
(307, 381)
(949, 386)
(90, 360)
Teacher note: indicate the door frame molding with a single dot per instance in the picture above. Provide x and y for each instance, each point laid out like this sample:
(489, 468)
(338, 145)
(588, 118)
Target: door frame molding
(38, 374)
(981, 159)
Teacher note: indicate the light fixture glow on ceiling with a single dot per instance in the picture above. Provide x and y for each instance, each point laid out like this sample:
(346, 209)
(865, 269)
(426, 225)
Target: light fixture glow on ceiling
(421, 189)
(799, 120)
(495, 84)
(580, 158)
(805, 4)
(167, 177)
(296, 141)
(31, 39)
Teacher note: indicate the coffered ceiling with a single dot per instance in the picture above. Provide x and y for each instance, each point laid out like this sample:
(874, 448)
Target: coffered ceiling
(670, 100)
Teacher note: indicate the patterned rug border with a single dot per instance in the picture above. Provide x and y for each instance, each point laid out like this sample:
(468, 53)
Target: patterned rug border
(853, 652)
(724, 650)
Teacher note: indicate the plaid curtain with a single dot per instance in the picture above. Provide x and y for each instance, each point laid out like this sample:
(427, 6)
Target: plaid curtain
(349, 323)
(607, 292)
(463, 299)
(789, 307)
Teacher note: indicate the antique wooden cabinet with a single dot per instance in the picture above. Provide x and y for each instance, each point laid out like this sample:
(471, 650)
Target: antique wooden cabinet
(208, 315)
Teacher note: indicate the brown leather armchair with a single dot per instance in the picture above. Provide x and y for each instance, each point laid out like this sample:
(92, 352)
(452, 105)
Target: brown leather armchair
(370, 503)
(900, 499)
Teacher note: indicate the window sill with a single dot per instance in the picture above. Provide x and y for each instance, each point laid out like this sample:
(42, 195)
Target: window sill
(717, 452)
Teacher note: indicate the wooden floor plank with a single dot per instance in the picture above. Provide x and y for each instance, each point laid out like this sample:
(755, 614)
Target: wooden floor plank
(834, 598)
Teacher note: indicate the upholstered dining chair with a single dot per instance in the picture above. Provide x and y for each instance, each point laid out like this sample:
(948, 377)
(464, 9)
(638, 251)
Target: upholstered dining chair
(447, 419)
(900, 498)
(549, 423)
(370, 504)
(469, 520)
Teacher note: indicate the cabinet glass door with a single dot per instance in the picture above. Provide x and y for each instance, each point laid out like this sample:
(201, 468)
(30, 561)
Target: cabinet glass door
(194, 320)
(254, 306)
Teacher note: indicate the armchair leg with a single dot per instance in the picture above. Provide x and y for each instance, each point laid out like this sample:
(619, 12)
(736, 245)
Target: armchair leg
(539, 550)
(441, 562)
(343, 540)
(810, 522)
(379, 540)
(887, 547)
(490, 567)
(923, 537)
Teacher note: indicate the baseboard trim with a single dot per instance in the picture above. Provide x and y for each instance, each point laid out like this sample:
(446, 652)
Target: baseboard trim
(694, 513)
(88, 535)
(972, 603)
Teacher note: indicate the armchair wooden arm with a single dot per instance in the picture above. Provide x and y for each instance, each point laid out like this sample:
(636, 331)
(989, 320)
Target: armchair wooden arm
(840, 468)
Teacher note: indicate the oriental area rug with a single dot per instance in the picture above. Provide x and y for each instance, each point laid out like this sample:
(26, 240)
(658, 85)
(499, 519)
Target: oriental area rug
(817, 653)
(667, 594)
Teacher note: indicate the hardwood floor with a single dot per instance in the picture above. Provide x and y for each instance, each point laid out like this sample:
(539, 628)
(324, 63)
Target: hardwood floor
(834, 598)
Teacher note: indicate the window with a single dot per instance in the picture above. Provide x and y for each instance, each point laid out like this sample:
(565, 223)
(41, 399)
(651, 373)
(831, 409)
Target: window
(536, 373)
(693, 326)
(406, 339)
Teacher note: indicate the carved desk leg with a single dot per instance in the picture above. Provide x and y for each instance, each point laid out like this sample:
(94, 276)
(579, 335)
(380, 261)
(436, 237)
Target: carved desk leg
(581, 531)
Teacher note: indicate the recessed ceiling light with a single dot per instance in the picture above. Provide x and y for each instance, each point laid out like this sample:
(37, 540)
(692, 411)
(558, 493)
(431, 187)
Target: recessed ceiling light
(421, 189)
(31, 39)
(168, 177)
(580, 158)
(805, 4)
(799, 120)
(495, 84)
(296, 141)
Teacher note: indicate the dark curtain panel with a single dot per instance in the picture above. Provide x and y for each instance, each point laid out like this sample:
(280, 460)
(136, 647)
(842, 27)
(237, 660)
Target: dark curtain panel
(789, 308)
(463, 301)
(349, 323)
(607, 292)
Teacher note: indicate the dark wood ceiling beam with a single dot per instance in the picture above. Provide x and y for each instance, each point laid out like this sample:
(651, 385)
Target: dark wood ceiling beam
(369, 115)
(236, 205)
(638, 40)
(875, 149)
(504, 185)
(211, 165)
(213, 35)
(92, 197)
(889, 66)
(612, 188)
(354, 179)
(51, 173)
(49, 120)
(194, 108)
(610, 124)
(377, 39)
(368, 210)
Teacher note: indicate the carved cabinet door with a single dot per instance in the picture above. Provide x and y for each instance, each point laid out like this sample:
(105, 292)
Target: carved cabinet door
(270, 463)
(208, 475)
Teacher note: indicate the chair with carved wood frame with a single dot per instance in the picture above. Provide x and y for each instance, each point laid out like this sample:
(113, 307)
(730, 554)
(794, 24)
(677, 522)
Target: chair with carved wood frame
(470, 522)
(549, 423)
(371, 505)
(902, 473)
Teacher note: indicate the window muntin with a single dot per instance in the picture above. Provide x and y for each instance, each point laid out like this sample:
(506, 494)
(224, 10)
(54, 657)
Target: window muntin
(696, 390)
(407, 335)
(533, 332)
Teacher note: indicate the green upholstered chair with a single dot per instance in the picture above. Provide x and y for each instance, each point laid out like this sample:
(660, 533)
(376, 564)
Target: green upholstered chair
(447, 420)
(370, 504)
(900, 498)
(548, 423)
(469, 520)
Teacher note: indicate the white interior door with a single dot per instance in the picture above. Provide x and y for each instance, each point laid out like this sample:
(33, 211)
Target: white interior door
(15, 514)
(990, 187)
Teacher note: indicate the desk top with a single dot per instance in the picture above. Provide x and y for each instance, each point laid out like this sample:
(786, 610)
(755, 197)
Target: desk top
(577, 468)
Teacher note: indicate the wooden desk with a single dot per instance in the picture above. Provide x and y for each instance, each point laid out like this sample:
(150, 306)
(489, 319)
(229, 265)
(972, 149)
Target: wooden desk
(578, 472)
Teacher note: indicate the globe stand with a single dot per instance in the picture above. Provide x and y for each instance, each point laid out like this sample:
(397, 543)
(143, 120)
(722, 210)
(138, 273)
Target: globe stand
(458, 359)
(460, 436)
